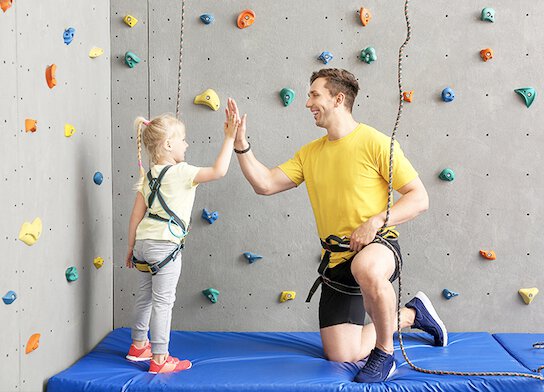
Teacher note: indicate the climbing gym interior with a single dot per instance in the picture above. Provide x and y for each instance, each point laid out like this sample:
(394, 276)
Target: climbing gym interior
(466, 77)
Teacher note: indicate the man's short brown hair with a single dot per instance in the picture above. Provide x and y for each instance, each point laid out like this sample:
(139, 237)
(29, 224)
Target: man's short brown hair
(339, 81)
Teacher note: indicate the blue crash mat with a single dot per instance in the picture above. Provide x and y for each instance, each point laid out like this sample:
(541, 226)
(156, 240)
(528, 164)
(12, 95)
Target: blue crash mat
(261, 362)
(520, 346)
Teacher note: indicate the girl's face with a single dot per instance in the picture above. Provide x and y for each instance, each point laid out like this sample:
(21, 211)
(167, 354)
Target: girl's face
(179, 145)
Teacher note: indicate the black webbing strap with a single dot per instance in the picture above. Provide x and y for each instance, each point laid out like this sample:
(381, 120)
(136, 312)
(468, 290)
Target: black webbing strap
(144, 266)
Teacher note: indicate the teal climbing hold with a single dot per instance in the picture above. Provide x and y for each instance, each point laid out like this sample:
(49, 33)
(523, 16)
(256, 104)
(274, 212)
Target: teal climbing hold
(71, 274)
(131, 59)
(211, 294)
(287, 96)
(447, 175)
(368, 55)
(528, 93)
(448, 294)
(9, 297)
(488, 14)
(252, 257)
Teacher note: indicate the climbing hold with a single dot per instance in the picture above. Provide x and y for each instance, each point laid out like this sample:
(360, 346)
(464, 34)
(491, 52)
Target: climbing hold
(245, 19)
(408, 96)
(208, 98)
(326, 57)
(9, 297)
(210, 217)
(98, 178)
(95, 52)
(528, 294)
(207, 18)
(287, 295)
(98, 262)
(69, 130)
(30, 232)
(130, 20)
(50, 75)
(488, 14)
(368, 55)
(448, 294)
(33, 343)
(131, 59)
(528, 93)
(31, 125)
(448, 95)
(488, 254)
(252, 257)
(5, 4)
(447, 175)
(211, 294)
(287, 96)
(68, 35)
(486, 54)
(365, 16)
(71, 274)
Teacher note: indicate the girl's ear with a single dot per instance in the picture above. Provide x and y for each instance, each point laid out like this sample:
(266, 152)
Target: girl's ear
(167, 145)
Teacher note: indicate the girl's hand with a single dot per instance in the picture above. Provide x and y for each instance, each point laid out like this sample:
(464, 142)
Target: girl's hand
(231, 122)
(128, 260)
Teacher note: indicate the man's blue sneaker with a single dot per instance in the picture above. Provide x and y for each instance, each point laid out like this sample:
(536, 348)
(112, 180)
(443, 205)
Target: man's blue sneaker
(427, 319)
(378, 367)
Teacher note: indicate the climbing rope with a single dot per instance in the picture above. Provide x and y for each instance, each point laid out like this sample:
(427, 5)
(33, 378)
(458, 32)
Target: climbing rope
(178, 101)
(389, 205)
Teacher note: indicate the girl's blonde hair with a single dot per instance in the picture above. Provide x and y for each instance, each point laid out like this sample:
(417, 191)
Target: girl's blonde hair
(153, 133)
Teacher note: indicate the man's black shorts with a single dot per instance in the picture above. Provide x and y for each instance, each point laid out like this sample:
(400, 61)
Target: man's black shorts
(338, 308)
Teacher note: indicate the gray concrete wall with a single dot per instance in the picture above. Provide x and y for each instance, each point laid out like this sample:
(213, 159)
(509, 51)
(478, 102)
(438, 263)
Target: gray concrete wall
(47, 175)
(487, 136)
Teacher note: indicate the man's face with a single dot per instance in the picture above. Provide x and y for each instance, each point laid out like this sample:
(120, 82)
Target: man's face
(320, 102)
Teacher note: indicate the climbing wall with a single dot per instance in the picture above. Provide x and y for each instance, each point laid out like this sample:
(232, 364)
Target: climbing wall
(49, 176)
(486, 136)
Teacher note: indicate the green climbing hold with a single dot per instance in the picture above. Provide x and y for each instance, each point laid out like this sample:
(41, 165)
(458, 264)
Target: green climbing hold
(488, 14)
(287, 95)
(211, 294)
(447, 175)
(368, 55)
(131, 59)
(71, 274)
(528, 93)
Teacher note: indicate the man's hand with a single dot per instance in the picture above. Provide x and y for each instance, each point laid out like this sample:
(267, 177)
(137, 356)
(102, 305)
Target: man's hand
(240, 143)
(365, 234)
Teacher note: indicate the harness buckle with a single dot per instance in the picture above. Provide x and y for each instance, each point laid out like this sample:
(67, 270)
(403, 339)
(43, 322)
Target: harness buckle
(153, 268)
(154, 184)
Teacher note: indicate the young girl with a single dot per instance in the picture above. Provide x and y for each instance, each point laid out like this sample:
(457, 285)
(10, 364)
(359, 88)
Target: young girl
(156, 238)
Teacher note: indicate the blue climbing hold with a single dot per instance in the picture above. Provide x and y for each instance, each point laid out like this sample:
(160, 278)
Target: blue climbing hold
(528, 94)
(210, 217)
(326, 57)
(207, 18)
(252, 257)
(9, 297)
(488, 14)
(98, 178)
(448, 294)
(212, 294)
(448, 94)
(69, 35)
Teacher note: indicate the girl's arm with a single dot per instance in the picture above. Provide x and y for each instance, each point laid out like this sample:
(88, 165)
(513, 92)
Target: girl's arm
(138, 213)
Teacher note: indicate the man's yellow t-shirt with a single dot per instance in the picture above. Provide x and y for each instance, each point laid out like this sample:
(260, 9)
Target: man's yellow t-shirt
(347, 180)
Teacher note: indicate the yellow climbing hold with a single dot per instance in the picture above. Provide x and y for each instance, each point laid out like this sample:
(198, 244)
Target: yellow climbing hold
(208, 98)
(98, 262)
(287, 295)
(30, 232)
(69, 130)
(95, 52)
(528, 294)
(130, 20)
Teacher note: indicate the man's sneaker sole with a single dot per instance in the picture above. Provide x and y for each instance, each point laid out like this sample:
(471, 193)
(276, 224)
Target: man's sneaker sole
(137, 359)
(190, 366)
(430, 308)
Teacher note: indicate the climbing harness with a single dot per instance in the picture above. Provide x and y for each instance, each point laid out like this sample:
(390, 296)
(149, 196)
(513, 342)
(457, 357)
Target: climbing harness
(173, 220)
(389, 204)
(334, 244)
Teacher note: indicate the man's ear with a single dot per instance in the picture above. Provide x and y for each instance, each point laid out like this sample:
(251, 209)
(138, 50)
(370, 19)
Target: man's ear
(340, 98)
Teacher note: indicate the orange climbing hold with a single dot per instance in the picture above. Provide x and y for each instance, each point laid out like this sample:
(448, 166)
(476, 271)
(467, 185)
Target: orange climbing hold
(488, 254)
(33, 343)
(31, 125)
(50, 75)
(5, 4)
(245, 19)
(408, 96)
(365, 16)
(486, 54)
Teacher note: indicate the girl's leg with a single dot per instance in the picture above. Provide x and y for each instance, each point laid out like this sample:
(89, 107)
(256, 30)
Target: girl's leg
(142, 307)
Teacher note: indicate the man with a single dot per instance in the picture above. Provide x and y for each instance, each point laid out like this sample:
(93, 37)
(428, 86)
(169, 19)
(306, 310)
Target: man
(347, 174)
